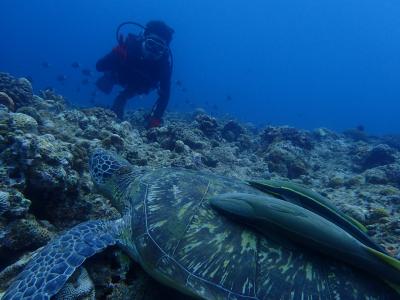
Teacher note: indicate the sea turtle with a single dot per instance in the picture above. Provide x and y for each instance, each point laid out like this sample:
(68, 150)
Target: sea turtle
(170, 227)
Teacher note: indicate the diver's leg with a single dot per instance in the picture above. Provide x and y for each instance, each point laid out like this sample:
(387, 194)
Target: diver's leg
(120, 102)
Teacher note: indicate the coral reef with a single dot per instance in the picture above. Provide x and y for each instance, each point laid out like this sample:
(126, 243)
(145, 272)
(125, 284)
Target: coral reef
(45, 186)
(377, 156)
(4, 202)
(19, 90)
(7, 101)
(79, 286)
(299, 138)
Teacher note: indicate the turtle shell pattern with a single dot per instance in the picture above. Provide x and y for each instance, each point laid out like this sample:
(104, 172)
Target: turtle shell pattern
(185, 243)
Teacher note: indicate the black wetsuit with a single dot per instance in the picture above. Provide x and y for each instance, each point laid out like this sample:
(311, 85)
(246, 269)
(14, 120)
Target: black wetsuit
(125, 65)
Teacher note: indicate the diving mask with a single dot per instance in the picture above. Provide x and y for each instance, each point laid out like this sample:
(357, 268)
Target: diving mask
(154, 46)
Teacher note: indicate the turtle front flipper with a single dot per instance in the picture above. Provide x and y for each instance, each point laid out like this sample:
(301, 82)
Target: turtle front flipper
(308, 229)
(318, 204)
(50, 268)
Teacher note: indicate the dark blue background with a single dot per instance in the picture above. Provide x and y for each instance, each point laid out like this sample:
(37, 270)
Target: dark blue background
(308, 63)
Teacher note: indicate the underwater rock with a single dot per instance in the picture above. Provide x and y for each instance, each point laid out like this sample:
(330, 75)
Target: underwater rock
(231, 131)
(378, 214)
(376, 176)
(113, 140)
(193, 139)
(19, 90)
(224, 154)
(297, 137)
(7, 101)
(4, 202)
(79, 286)
(356, 134)
(378, 156)
(336, 181)
(66, 207)
(208, 125)
(209, 161)
(124, 292)
(246, 143)
(180, 146)
(392, 140)
(52, 151)
(32, 112)
(26, 234)
(100, 115)
(167, 136)
(392, 172)
(164, 136)
(52, 179)
(50, 102)
(10, 172)
(354, 181)
(324, 134)
(285, 162)
(75, 117)
(24, 123)
(19, 206)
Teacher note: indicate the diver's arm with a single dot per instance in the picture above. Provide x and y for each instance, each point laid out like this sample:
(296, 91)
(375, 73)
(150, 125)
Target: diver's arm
(112, 60)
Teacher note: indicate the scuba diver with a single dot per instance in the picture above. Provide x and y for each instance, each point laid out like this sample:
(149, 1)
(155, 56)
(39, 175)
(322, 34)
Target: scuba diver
(139, 63)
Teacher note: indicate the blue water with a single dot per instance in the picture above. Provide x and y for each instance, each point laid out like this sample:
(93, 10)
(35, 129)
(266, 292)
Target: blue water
(308, 64)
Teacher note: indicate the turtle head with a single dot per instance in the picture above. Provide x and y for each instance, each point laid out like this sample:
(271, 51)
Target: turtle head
(112, 175)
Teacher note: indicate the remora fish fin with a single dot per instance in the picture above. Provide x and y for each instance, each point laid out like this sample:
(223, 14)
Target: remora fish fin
(390, 261)
(385, 258)
(310, 200)
(289, 190)
(347, 217)
(356, 223)
(394, 286)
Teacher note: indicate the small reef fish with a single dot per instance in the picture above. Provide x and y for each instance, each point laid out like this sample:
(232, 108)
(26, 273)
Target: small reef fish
(45, 64)
(61, 78)
(87, 72)
(75, 65)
